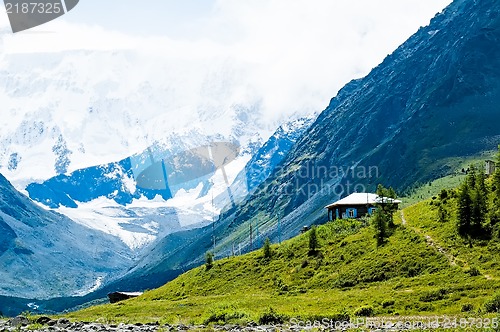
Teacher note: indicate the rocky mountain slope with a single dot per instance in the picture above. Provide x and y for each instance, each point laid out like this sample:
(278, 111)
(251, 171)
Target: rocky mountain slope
(413, 118)
(44, 254)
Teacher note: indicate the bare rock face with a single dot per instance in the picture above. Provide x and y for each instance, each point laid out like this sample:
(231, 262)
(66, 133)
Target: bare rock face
(18, 321)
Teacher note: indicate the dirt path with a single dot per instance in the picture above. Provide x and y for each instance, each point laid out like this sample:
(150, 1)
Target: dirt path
(430, 241)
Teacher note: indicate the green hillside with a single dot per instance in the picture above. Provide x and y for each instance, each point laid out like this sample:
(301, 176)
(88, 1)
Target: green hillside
(425, 267)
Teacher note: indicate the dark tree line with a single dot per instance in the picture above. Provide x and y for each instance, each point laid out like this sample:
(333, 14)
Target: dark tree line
(477, 213)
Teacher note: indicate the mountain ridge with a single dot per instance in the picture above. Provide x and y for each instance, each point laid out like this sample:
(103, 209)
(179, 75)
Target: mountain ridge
(43, 251)
(396, 116)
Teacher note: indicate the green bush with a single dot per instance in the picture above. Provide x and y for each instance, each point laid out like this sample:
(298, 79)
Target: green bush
(270, 317)
(387, 303)
(223, 314)
(432, 296)
(473, 271)
(364, 312)
(493, 305)
(443, 195)
(467, 307)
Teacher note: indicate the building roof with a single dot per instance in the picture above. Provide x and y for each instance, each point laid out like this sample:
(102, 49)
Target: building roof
(133, 294)
(362, 198)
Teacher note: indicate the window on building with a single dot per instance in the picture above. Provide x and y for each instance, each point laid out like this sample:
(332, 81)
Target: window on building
(351, 213)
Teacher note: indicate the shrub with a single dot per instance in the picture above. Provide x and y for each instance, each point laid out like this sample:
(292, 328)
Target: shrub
(493, 305)
(280, 285)
(270, 317)
(387, 303)
(443, 195)
(224, 314)
(432, 296)
(473, 271)
(467, 307)
(364, 312)
(442, 214)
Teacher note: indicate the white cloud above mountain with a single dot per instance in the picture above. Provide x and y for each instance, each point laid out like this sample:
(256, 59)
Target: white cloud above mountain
(299, 53)
(149, 77)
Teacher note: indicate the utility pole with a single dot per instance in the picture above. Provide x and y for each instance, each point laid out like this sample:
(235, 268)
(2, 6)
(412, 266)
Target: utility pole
(257, 234)
(213, 224)
(251, 240)
(279, 228)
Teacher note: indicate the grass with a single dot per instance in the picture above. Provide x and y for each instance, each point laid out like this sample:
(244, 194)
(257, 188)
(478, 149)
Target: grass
(433, 189)
(348, 276)
(451, 181)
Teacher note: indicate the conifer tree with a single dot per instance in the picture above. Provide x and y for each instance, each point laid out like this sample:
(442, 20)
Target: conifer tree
(464, 209)
(479, 203)
(388, 208)
(267, 249)
(209, 260)
(379, 222)
(495, 211)
(313, 240)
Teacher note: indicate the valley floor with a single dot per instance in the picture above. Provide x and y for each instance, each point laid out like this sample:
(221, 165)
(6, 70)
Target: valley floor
(423, 270)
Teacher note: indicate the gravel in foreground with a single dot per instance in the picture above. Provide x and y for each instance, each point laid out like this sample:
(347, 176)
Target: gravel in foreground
(46, 324)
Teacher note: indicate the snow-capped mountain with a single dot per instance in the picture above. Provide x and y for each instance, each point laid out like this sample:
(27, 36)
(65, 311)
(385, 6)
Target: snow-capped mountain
(44, 254)
(116, 224)
(182, 189)
(72, 139)
(270, 155)
(75, 109)
(148, 195)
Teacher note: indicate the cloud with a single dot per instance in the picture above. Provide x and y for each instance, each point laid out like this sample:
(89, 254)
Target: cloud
(289, 56)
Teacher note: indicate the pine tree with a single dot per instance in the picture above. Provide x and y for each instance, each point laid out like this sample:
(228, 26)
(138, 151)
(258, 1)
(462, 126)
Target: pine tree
(479, 203)
(495, 211)
(313, 240)
(464, 209)
(267, 249)
(473, 201)
(388, 208)
(209, 260)
(379, 222)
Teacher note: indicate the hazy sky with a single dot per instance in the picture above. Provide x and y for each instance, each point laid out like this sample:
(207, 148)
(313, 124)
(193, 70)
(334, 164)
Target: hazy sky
(297, 53)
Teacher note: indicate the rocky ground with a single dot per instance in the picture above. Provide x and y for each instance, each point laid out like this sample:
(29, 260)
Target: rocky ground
(46, 324)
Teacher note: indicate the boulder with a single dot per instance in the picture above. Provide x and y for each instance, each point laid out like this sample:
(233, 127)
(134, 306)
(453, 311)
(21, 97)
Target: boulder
(43, 320)
(19, 321)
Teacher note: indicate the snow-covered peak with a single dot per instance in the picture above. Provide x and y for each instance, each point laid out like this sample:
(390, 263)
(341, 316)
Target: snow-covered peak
(71, 110)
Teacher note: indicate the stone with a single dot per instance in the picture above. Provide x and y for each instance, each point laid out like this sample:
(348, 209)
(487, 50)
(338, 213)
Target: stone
(19, 321)
(63, 322)
(43, 320)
